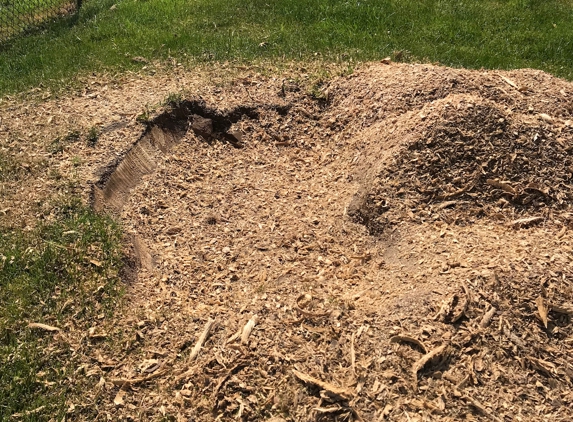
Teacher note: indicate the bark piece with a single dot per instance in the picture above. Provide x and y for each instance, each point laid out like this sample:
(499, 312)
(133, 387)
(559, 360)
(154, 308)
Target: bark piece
(434, 355)
(333, 390)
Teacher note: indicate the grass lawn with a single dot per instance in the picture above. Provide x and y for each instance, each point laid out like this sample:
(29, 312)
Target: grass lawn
(108, 34)
(63, 274)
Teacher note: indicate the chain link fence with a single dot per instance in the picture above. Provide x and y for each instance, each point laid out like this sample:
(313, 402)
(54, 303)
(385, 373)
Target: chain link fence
(17, 16)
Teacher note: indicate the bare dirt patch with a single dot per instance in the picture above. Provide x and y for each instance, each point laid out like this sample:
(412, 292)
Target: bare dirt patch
(353, 256)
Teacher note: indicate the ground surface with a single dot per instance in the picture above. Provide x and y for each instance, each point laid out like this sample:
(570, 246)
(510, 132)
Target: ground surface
(396, 246)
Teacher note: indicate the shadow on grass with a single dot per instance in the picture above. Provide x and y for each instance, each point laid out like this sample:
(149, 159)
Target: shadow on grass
(55, 22)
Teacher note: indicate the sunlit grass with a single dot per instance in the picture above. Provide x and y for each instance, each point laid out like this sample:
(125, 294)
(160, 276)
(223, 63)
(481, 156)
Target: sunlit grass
(108, 34)
(64, 272)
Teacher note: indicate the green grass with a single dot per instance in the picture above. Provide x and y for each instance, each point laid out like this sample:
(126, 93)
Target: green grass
(471, 33)
(63, 274)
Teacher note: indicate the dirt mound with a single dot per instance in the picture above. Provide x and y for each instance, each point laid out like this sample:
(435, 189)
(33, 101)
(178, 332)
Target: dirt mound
(467, 158)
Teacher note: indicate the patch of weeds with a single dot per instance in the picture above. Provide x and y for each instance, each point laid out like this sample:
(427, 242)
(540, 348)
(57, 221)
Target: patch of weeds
(72, 136)
(143, 118)
(93, 136)
(403, 56)
(316, 90)
(76, 161)
(59, 144)
(56, 147)
(10, 169)
(173, 100)
(261, 288)
(64, 274)
(55, 174)
(72, 186)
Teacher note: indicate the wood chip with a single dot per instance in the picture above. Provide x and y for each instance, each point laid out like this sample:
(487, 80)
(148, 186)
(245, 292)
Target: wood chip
(224, 379)
(95, 262)
(130, 382)
(546, 368)
(561, 309)
(504, 186)
(335, 391)
(509, 82)
(542, 309)
(411, 340)
(433, 356)
(45, 327)
(538, 187)
(514, 338)
(525, 222)
(446, 308)
(487, 317)
(247, 329)
(312, 314)
(330, 409)
(386, 411)
(118, 400)
(201, 340)
(352, 354)
(463, 307)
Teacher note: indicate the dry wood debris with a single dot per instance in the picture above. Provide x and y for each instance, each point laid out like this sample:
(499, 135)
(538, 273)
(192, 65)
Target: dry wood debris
(398, 249)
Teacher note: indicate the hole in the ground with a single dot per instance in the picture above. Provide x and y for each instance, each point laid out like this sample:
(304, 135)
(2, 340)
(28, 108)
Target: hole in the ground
(212, 125)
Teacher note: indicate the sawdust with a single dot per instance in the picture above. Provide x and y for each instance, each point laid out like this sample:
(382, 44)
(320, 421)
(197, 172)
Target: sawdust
(349, 257)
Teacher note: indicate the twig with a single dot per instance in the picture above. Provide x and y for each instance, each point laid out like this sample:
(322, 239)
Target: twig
(352, 354)
(202, 339)
(480, 407)
(224, 379)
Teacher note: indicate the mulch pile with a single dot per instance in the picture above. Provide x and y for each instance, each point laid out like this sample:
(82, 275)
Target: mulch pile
(471, 159)
(398, 249)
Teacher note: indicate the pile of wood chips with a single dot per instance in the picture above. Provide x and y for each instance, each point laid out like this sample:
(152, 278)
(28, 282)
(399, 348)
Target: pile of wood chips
(398, 249)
